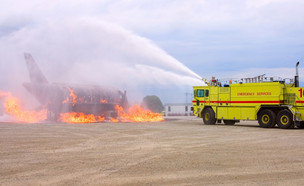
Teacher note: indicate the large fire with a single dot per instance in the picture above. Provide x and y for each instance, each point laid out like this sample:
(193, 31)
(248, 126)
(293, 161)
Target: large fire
(75, 117)
(13, 107)
(137, 114)
(134, 114)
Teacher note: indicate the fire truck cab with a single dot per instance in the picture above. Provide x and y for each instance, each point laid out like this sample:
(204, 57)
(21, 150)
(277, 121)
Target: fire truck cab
(271, 102)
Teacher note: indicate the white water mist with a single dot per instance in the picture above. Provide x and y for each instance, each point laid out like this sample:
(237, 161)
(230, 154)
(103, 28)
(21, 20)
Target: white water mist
(88, 51)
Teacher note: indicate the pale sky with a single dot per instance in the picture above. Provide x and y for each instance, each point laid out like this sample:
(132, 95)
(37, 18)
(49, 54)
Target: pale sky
(235, 38)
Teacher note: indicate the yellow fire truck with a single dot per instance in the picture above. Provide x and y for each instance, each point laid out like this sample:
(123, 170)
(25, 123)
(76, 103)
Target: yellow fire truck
(267, 100)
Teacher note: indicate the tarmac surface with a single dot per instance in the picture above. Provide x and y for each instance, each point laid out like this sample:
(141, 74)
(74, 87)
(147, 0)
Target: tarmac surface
(180, 151)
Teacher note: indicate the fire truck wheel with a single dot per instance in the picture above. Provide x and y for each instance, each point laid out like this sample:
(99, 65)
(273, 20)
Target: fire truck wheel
(300, 125)
(284, 119)
(229, 122)
(209, 116)
(267, 118)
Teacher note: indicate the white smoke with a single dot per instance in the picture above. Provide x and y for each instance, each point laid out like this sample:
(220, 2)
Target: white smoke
(89, 51)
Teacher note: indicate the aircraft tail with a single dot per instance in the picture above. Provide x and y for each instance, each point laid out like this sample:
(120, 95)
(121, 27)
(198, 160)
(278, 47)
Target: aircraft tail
(36, 76)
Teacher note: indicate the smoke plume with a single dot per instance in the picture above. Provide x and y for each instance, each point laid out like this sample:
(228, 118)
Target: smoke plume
(88, 51)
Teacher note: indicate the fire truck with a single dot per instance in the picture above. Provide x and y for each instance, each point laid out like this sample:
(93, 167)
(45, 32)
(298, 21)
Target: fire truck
(270, 101)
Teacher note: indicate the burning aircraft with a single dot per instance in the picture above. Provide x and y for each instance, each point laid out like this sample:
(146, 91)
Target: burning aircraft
(65, 98)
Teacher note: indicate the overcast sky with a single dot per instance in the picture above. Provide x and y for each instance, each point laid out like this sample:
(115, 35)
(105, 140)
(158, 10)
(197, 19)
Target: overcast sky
(235, 38)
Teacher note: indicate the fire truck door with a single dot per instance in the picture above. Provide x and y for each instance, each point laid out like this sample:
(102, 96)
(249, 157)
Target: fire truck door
(206, 97)
(202, 97)
(224, 96)
(224, 103)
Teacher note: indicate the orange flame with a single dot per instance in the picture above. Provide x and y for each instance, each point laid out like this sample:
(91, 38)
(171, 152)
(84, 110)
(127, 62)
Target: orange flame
(137, 114)
(114, 120)
(72, 98)
(134, 113)
(12, 107)
(103, 101)
(74, 117)
(100, 119)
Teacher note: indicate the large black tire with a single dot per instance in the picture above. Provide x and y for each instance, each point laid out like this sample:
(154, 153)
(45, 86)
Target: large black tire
(229, 122)
(267, 118)
(300, 125)
(209, 116)
(284, 119)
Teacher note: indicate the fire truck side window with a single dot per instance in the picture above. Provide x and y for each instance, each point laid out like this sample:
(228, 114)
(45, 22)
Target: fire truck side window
(207, 93)
(200, 93)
